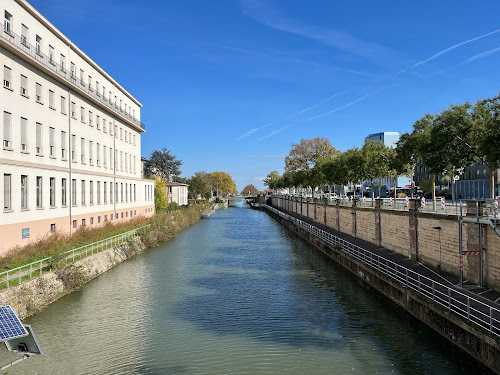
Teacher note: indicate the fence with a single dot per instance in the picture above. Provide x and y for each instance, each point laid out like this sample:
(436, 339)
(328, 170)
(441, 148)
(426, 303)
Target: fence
(17, 275)
(470, 308)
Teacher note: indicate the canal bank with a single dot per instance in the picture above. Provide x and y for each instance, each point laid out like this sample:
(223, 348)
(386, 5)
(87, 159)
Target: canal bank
(235, 294)
(419, 294)
(66, 276)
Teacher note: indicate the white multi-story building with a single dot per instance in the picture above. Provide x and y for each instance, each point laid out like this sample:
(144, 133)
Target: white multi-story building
(177, 193)
(71, 135)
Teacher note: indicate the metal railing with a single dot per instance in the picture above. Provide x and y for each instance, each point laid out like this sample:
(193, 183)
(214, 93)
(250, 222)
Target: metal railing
(470, 308)
(21, 44)
(17, 275)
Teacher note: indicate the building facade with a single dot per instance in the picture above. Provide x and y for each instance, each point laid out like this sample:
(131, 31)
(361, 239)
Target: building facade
(178, 193)
(71, 135)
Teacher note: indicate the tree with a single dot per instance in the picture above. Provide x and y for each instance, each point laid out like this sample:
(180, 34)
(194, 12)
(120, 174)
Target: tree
(222, 182)
(163, 164)
(198, 186)
(375, 162)
(304, 155)
(272, 180)
(250, 190)
(161, 194)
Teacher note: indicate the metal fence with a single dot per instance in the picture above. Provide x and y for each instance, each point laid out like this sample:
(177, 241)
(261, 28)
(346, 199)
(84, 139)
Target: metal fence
(17, 275)
(470, 308)
(70, 76)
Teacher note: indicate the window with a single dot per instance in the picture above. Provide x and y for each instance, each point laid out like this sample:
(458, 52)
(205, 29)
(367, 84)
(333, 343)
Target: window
(134, 139)
(91, 220)
(121, 191)
(83, 192)
(91, 191)
(24, 85)
(110, 102)
(110, 192)
(98, 192)
(72, 71)
(73, 192)
(126, 163)
(120, 104)
(105, 193)
(103, 125)
(24, 192)
(74, 224)
(104, 155)
(7, 80)
(63, 192)
(97, 88)
(38, 138)
(98, 154)
(91, 152)
(73, 147)
(125, 136)
(121, 161)
(7, 23)
(51, 54)
(110, 157)
(39, 192)
(90, 83)
(135, 196)
(90, 118)
(63, 145)
(115, 101)
(63, 105)
(52, 140)
(116, 129)
(116, 159)
(133, 114)
(38, 44)
(52, 228)
(82, 82)
(7, 196)
(82, 150)
(98, 219)
(104, 92)
(82, 114)
(7, 127)
(116, 192)
(24, 35)
(121, 134)
(24, 134)
(134, 164)
(126, 193)
(51, 99)
(73, 110)
(52, 192)
(83, 222)
(38, 93)
(63, 63)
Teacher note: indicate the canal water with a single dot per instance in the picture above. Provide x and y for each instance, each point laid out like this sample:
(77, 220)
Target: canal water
(234, 294)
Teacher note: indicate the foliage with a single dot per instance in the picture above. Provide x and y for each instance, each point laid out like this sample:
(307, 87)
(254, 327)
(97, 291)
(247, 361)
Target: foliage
(426, 185)
(199, 185)
(163, 164)
(272, 180)
(249, 189)
(222, 182)
(304, 155)
(161, 194)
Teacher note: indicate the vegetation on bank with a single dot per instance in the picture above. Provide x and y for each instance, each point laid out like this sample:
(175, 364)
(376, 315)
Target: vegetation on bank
(163, 227)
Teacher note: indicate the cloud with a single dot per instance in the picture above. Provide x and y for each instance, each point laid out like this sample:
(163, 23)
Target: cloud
(250, 132)
(342, 107)
(446, 50)
(267, 14)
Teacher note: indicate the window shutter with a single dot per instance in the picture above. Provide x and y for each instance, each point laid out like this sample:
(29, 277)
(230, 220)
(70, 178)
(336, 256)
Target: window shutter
(6, 126)
(39, 136)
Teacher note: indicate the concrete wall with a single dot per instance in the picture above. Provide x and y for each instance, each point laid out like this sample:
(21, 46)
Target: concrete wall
(412, 234)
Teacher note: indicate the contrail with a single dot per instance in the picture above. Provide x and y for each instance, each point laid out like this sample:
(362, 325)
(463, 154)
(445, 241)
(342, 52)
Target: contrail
(447, 50)
(339, 108)
(264, 156)
(481, 55)
(251, 131)
(316, 105)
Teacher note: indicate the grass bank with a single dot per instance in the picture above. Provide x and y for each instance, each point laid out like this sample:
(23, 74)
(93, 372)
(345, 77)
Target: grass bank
(163, 226)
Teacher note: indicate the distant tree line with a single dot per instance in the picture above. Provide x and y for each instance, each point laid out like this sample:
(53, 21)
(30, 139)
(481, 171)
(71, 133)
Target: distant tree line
(445, 143)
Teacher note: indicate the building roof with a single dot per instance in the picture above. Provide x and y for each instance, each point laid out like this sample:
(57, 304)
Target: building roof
(176, 184)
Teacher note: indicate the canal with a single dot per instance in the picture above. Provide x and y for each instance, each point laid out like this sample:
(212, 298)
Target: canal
(234, 294)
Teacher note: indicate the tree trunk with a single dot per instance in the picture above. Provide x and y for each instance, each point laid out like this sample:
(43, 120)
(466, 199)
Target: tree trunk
(434, 192)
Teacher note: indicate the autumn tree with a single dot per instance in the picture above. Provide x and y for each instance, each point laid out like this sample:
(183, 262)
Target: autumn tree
(222, 182)
(161, 194)
(198, 185)
(272, 180)
(250, 189)
(303, 155)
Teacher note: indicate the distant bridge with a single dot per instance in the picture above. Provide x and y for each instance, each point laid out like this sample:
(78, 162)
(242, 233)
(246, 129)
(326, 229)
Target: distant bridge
(238, 197)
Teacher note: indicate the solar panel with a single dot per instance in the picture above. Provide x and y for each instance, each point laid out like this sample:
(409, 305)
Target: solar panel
(10, 325)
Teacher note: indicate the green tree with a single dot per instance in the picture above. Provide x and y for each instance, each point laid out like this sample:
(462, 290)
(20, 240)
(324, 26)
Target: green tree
(198, 185)
(375, 162)
(250, 189)
(272, 180)
(162, 163)
(222, 182)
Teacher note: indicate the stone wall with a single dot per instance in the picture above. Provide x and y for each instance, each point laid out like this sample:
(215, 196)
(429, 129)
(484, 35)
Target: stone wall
(411, 233)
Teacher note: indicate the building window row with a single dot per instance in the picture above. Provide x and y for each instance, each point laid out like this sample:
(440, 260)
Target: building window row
(59, 187)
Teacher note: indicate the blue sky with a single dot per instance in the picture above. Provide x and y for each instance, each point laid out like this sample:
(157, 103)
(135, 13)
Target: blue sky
(225, 79)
